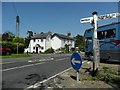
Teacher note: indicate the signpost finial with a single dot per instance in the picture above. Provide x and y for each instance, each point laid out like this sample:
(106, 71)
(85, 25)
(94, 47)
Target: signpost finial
(94, 13)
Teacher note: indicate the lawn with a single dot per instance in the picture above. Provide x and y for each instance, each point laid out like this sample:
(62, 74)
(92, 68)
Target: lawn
(15, 56)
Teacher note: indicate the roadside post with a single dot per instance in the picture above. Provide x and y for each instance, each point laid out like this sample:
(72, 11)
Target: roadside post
(76, 63)
(96, 53)
(93, 20)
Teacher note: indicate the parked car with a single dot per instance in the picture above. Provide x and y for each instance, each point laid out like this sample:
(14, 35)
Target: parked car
(5, 50)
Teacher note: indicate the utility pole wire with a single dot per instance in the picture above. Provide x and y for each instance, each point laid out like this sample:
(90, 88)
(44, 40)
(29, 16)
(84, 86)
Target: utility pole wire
(15, 9)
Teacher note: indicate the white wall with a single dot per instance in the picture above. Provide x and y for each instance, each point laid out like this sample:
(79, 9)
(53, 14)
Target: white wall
(48, 42)
(55, 42)
(32, 44)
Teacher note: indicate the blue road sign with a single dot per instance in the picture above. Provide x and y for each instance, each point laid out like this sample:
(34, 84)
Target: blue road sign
(76, 61)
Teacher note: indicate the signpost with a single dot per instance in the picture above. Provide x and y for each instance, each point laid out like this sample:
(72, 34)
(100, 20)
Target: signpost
(101, 17)
(76, 63)
(93, 20)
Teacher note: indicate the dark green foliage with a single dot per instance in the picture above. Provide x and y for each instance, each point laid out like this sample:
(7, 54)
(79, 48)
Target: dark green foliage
(50, 50)
(79, 42)
(105, 76)
(8, 36)
(66, 48)
(13, 46)
(27, 39)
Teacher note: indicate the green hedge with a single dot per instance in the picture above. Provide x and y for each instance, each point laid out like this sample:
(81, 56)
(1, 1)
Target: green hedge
(13, 46)
(50, 50)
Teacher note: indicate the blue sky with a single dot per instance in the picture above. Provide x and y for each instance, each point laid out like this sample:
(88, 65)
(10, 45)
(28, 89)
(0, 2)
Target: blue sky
(59, 17)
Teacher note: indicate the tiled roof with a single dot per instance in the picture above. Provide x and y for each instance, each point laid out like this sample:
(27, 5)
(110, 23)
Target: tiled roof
(62, 36)
(40, 36)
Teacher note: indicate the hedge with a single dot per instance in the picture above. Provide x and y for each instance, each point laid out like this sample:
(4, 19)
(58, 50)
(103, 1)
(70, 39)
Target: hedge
(13, 46)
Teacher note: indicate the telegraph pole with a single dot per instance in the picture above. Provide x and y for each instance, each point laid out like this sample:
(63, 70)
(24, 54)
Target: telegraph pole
(17, 31)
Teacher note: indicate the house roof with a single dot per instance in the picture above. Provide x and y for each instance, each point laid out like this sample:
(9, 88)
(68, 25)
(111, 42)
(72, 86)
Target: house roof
(41, 35)
(62, 36)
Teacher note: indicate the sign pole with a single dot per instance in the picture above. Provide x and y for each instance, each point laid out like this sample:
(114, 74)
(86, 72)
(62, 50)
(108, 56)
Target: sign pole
(78, 77)
(95, 45)
(76, 63)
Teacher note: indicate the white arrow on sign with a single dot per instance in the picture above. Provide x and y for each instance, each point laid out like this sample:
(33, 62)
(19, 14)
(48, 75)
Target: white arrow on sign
(75, 61)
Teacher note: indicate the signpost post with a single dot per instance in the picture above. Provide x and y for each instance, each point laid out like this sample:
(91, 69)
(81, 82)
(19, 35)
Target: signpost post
(93, 20)
(96, 53)
(76, 63)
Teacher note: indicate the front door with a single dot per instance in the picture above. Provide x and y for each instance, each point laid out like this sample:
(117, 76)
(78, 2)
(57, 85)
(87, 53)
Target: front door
(36, 49)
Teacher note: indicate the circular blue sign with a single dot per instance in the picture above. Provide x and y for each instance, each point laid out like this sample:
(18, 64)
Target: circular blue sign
(76, 61)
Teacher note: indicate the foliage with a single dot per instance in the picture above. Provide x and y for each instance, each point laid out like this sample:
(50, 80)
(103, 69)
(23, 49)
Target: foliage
(9, 40)
(79, 42)
(15, 56)
(66, 48)
(50, 50)
(27, 39)
(7, 36)
(106, 77)
(18, 40)
(13, 46)
(30, 34)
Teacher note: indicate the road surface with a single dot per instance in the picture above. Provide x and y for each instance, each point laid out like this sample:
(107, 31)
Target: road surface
(21, 73)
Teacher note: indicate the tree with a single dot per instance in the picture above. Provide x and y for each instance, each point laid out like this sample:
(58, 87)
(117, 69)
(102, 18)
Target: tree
(19, 40)
(30, 34)
(27, 39)
(7, 36)
(79, 42)
(66, 48)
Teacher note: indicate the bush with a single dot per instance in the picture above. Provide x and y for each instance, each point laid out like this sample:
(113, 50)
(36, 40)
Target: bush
(50, 50)
(13, 47)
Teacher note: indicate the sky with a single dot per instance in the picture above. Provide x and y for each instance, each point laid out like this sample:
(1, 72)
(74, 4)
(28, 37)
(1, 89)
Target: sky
(57, 17)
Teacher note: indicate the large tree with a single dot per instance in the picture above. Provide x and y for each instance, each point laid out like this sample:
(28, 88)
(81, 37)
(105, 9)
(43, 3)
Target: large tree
(79, 42)
(8, 36)
(27, 39)
(19, 40)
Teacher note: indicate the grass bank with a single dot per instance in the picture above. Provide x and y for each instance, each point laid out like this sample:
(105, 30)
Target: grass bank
(15, 56)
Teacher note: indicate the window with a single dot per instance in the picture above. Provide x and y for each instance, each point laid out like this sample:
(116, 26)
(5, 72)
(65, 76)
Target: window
(33, 48)
(41, 40)
(33, 40)
(42, 48)
(107, 34)
(89, 40)
(38, 40)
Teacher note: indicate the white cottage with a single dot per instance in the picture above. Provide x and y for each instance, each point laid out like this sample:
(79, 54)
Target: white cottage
(60, 40)
(43, 41)
(40, 42)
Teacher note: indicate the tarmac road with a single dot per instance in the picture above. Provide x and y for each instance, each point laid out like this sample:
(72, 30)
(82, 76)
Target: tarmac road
(21, 73)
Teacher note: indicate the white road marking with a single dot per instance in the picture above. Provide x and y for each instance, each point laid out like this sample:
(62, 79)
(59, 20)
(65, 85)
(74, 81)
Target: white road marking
(30, 61)
(61, 59)
(37, 84)
(22, 66)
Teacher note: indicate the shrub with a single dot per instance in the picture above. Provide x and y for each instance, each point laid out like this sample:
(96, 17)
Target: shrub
(13, 46)
(50, 50)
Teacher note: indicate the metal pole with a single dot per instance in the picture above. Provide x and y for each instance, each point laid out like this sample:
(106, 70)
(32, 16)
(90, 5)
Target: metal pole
(17, 31)
(95, 67)
(78, 77)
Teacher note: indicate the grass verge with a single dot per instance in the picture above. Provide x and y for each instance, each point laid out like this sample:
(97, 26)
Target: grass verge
(15, 56)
